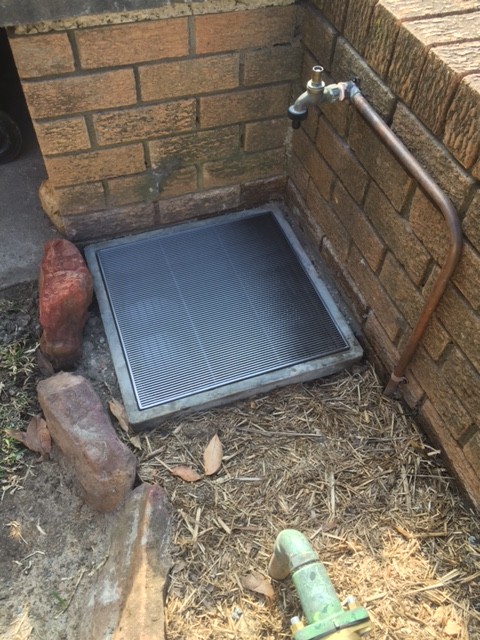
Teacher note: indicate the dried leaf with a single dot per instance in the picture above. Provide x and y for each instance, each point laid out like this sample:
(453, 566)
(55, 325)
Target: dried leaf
(136, 442)
(259, 584)
(452, 628)
(118, 410)
(185, 473)
(212, 456)
(36, 437)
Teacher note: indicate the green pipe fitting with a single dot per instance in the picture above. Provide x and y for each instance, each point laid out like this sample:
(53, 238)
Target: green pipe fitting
(323, 611)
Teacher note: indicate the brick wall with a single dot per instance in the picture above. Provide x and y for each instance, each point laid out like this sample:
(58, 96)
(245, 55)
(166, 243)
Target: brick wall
(419, 65)
(149, 122)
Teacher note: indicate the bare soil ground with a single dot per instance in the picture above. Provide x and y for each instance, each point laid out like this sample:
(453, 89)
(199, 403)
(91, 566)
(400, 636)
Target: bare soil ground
(333, 458)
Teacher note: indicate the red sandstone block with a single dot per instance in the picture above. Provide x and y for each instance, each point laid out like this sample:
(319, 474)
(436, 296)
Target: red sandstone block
(64, 96)
(131, 43)
(128, 125)
(95, 165)
(42, 55)
(65, 293)
(189, 77)
(238, 30)
(243, 106)
(62, 136)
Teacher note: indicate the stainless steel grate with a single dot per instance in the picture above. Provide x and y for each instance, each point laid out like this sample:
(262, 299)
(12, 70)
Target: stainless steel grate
(202, 307)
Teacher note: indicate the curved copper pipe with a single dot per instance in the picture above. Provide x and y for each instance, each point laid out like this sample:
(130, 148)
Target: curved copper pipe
(448, 211)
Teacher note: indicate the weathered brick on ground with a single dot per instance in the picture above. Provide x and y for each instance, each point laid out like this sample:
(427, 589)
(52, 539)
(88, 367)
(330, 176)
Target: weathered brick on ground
(109, 222)
(65, 293)
(261, 192)
(103, 466)
(127, 601)
(42, 55)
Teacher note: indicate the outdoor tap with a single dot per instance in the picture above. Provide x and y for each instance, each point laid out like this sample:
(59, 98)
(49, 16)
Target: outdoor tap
(325, 616)
(317, 93)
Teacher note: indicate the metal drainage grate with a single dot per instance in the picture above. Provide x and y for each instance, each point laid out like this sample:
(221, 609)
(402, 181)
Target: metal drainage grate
(203, 312)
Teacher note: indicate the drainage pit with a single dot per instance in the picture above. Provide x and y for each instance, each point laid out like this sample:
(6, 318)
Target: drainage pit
(207, 312)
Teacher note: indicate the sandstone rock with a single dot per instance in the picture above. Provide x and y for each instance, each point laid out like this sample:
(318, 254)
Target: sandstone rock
(80, 427)
(65, 292)
(128, 598)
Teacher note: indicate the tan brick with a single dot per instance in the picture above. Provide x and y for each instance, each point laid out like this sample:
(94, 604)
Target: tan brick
(462, 129)
(375, 295)
(152, 185)
(111, 222)
(429, 226)
(454, 180)
(476, 169)
(91, 166)
(42, 55)
(401, 289)
(199, 204)
(471, 222)
(465, 382)
(397, 234)
(408, 9)
(197, 147)
(358, 227)
(462, 323)
(441, 75)
(381, 40)
(267, 134)
(467, 275)
(258, 67)
(189, 77)
(318, 170)
(447, 29)
(244, 29)
(412, 392)
(65, 96)
(327, 223)
(374, 331)
(298, 175)
(242, 106)
(406, 66)
(81, 198)
(318, 36)
(358, 22)
(471, 451)
(243, 169)
(259, 192)
(439, 391)
(379, 162)
(435, 339)
(334, 12)
(61, 136)
(342, 161)
(144, 122)
(132, 43)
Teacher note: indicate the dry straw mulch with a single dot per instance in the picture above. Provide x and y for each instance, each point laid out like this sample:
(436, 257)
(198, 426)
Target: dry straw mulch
(348, 468)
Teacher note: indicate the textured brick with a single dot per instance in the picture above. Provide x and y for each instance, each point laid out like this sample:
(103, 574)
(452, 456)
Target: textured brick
(199, 204)
(439, 391)
(318, 36)
(432, 155)
(429, 226)
(467, 275)
(357, 225)
(149, 186)
(472, 453)
(299, 175)
(342, 161)
(374, 331)
(358, 22)
(381, 39)
(111, 222)
(258, 67)
(144, 122)
(375, 295)
(435, 339)
(320, 173)
(462, 323)
(329, 225)
(406, 66)
(462, 129)
(379, 162)
(471, 222)
(334, 12)
(401, 289)
(81, 198)
(244, 29)
(242, 106)
(189, 77)
(61, 136)
(95, 165)
(397, 234)
(443, 70)
(131, 43)
(259, 192)
(268, 134)
(243, 169)
(197, 147)
(476, 169)
(408, 9)
(347, 64)
(50, 98)
(43, 55)
(464, 381)
(412, 392)
(447, 29)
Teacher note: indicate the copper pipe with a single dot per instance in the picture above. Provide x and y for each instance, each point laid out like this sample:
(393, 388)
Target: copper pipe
(437, 196)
